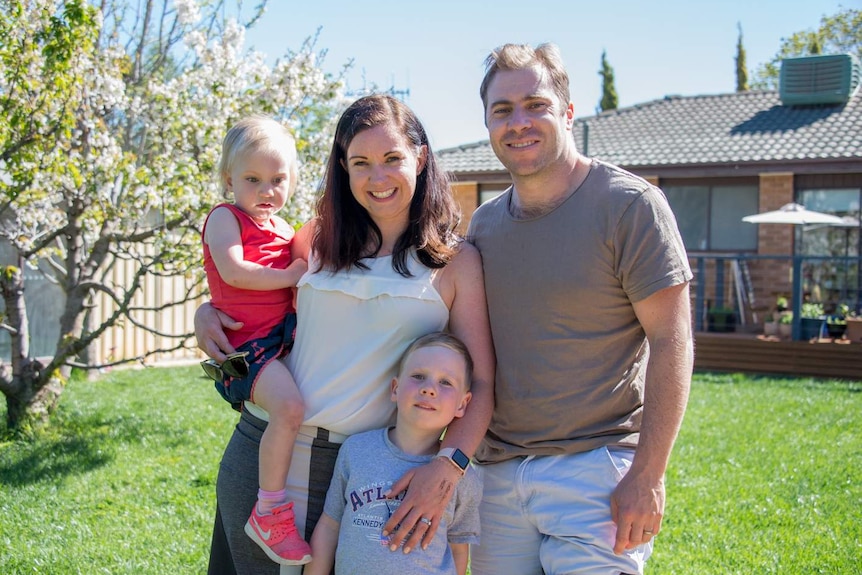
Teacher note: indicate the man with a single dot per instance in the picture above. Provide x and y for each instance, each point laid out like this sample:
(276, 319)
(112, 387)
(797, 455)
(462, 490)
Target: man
(587, 284)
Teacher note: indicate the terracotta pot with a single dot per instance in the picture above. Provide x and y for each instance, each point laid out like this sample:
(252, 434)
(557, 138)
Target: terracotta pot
(854, 329)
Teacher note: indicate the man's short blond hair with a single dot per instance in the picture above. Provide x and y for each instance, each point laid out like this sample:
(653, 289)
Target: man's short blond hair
(545, 57)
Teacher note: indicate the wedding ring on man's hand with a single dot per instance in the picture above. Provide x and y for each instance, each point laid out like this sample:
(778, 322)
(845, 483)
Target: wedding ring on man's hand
(648, 532)
(426, 521)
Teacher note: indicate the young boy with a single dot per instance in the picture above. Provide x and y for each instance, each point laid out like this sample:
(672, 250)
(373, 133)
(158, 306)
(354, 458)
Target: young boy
(249, 271)
(431, 389)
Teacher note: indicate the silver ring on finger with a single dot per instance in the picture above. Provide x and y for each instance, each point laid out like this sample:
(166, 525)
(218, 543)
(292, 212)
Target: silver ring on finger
(426, 521)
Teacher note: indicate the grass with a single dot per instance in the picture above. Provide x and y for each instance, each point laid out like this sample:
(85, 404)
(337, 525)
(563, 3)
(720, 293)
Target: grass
(123, 483)
(765, 478)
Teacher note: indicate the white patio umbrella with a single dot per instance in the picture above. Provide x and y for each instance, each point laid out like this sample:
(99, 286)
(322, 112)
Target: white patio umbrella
(797, 214)
(792, 214)
(848, 222)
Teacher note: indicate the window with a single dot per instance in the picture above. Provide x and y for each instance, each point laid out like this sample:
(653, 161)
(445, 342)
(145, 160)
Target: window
(487, 194)
(831, 240)
(832, 281)
(710, 216)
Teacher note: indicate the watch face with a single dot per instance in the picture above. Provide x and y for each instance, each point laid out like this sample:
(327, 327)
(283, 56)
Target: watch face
(461, 459)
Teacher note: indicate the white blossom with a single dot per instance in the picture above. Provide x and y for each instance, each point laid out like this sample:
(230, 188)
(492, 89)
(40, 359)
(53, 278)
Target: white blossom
(188, 12)
(142, 151)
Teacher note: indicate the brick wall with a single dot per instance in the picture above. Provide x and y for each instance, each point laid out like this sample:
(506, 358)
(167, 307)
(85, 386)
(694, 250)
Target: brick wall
(776, 189)
(773, 278)
(467, 196)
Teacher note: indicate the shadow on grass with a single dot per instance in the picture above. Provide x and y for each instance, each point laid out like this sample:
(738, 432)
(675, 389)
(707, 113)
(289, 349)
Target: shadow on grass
(34, 462)
(70, 446)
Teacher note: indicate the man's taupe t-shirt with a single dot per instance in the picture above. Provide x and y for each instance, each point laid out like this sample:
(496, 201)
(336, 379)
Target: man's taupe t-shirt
(571, 355)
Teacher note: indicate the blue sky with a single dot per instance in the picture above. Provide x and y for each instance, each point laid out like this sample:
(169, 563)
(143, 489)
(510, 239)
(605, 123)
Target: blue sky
(436, 48)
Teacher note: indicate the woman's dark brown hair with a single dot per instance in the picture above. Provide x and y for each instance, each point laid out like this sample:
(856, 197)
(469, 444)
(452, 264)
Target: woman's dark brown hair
(346, 233)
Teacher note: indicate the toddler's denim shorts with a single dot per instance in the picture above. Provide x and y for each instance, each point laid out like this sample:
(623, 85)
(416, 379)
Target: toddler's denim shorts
(261, 351)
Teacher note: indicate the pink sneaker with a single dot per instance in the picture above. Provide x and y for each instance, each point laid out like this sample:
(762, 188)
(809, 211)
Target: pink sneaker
(276, 534)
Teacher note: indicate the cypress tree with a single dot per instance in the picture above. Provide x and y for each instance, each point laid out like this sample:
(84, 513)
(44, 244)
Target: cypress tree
(609, 101)
(814, 47)
(741, 70)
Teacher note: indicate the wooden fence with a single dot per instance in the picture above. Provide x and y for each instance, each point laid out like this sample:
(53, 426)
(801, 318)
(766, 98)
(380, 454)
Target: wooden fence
(125, 340)
(45, 302)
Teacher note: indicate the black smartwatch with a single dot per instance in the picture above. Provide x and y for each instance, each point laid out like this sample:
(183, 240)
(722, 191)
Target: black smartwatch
(457, 457)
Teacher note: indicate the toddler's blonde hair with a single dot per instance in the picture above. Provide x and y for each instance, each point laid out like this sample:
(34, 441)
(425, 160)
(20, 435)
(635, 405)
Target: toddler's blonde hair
(257, 134)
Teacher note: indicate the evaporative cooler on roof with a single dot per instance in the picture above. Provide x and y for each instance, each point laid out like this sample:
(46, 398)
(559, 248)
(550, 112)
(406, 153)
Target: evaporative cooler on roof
(811, 80)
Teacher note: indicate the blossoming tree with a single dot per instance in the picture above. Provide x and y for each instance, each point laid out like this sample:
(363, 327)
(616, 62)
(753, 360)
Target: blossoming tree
(111, 122)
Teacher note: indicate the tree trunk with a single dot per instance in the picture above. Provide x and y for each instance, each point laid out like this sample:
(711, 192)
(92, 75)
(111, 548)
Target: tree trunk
(31, 393)
(35, 398)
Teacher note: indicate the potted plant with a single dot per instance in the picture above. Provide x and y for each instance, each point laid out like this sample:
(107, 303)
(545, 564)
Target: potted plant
(721, 319)
(785, 324)
(853, 331)
(812, 319)
(836, 324)
(770, 325)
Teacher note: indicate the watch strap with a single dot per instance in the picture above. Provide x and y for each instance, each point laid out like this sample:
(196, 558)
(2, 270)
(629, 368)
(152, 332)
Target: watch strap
(456, 457)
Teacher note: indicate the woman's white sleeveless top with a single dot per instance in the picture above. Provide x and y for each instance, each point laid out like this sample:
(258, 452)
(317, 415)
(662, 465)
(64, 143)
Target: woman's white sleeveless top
(353, 327)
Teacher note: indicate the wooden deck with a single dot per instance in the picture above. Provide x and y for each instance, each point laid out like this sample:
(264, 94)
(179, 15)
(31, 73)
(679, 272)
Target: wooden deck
(750, 353)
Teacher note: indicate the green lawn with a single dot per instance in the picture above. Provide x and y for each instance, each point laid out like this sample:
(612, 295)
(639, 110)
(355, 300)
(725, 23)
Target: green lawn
(766, 478)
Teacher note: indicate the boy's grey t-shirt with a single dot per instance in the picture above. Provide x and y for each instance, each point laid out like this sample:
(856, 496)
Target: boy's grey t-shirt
(368, 464)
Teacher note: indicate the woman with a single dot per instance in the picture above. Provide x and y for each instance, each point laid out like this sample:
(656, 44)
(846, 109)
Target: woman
(384, 268)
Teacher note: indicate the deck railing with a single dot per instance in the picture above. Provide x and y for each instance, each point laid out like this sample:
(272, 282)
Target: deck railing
(749, 285)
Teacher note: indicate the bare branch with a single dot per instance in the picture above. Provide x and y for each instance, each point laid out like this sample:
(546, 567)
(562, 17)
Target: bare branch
(183, 345)
(8, 329)
(137, 67)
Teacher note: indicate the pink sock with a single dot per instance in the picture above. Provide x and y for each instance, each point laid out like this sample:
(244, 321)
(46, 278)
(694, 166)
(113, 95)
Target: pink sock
(267, 500)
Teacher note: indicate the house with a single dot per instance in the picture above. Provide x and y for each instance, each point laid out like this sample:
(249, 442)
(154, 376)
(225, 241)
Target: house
(717, 158)
(721, 157)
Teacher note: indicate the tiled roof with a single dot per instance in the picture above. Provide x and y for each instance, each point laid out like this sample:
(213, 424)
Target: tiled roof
(746, 127)
(477, 157)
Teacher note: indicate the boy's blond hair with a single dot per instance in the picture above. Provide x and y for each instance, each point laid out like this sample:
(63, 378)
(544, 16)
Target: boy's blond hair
(442, 339)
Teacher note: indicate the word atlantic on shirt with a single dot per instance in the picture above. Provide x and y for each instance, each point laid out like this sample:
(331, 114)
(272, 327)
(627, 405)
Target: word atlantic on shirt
(371, 509)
